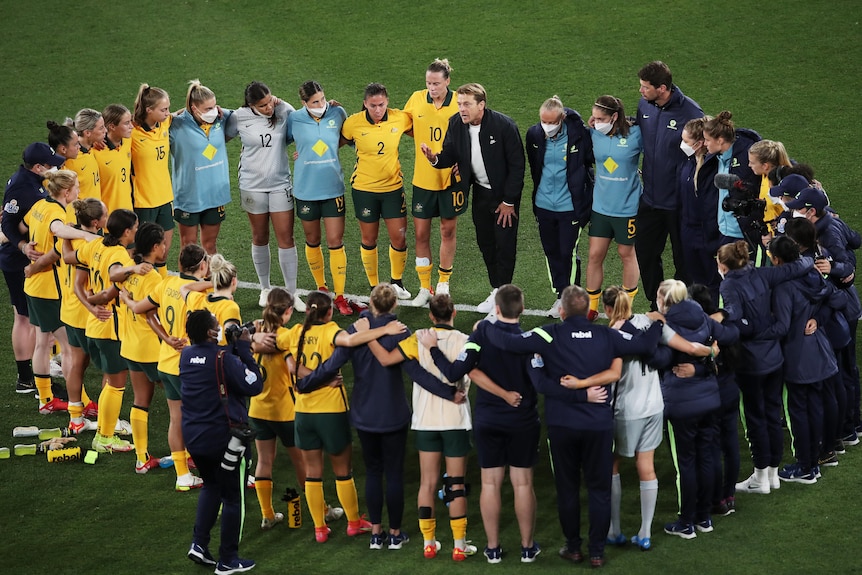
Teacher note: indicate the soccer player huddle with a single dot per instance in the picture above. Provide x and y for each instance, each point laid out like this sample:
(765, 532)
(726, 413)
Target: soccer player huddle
(762, 307)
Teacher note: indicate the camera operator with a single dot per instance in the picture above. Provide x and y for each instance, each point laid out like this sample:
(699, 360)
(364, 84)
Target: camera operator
(215, 383)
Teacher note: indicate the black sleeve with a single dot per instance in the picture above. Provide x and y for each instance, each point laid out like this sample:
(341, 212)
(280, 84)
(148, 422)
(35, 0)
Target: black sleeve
(428, 381)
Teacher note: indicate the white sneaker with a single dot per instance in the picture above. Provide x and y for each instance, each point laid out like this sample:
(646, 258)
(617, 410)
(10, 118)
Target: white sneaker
(422, 298)
(298, 304)
(757, 483)
(487, 306)
(56, 368)
(774, 481)
(123, 427)
(401, 292)
(442, 288)
(264, 293)
(555, 309)
(188, 482)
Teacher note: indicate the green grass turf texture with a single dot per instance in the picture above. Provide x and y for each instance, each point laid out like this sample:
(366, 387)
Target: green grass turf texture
(786, 69)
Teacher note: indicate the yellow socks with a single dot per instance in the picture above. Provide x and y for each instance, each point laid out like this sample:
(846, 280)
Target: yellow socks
(314, 257)
(444, 275)
(397, 262)
(369, 262)
(346, 490)
(338, 269)
(459, 528)
(181, 462)
(632, 292)
(263, 488)
(85, 399)
(428, 527)
(43, 386)
(76, 410)
(139, 417)
(110, 403)
(315, 502)
(595, 296)
(424, 273)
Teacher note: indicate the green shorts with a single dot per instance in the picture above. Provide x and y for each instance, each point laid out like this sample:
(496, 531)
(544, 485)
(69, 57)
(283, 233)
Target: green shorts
(151, 370)
(622, 230)
(210, 217)
(371, 206)
(44, 313)
(78, 338)
(313, 210)
(171, 384)
(449, 203)
(161, 215)
(110, 361)
(266, 430)
(327, 431)
(451, 442)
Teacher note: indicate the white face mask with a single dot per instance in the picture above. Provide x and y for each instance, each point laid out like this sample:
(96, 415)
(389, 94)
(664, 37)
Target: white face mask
(689, 151)
(721, 273)
(316, 112)
(551, 129)
(797, 214)
(603, 127)
(51, 170)
(210, 117)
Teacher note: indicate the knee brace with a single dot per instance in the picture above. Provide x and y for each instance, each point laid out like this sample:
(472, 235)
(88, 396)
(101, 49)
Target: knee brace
(449, 494)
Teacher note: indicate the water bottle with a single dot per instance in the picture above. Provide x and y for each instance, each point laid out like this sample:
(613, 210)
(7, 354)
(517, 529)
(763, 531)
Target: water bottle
(294, 508)
(53, 432)
(67, 454)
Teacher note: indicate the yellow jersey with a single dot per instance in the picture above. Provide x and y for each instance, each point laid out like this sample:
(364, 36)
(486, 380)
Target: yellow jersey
(277, 401)
(224, 308)
(92, 256)
(429, 127)
(139, 342)
(115, 174)
(72, 311)
(151, 176)
(377, 167)
(45, 284)
(319, 343)
(172, 315)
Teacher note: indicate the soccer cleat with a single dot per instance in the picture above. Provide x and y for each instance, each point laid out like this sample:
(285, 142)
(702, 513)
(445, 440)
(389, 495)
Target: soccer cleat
(358, 527)
(333, 513)
(555, 309)
(191, 463)
(188, 482)
(342, 306)
(795, 473)
(103, 444)
(828, 460)
(25, 386)
(574, 556)
(200, 555)
(619, 540)
(91, 410)
(850, 439)
(400, 291)
(529, 554)
(321, 534)
(680, 529)
(249, 482)
(494, 555)
(376, 541)
(123, 427)
(487, 306)
(396, 541)
(644, 543)
(422, 298)
(758, 482)
(76, 427)
(298, 304)
(704, 526)
(266, 524)
(264, 294)
(235, 566)
(442, 288)
(56, 405)
(357, 306)
(142, 467)
(459, 554)
(430, 551)
(592, 315)
(55, 368)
